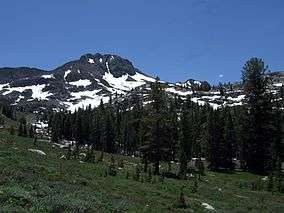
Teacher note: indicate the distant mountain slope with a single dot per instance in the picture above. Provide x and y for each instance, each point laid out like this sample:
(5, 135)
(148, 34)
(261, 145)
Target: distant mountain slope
(93, 78)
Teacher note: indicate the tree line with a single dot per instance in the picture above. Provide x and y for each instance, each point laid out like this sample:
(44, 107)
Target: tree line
(170, 128)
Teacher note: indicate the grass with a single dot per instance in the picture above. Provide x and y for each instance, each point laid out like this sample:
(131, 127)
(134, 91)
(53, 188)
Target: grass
(30, 182)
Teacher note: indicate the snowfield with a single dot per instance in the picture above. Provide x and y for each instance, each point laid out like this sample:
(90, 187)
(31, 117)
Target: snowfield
(91, 61)
(66, 73)
(237, 99)
(36, 91)
(89, 94)
(178, 92)
(93, 102)
(121, 83)
(3, 85)
(47, 76)
(83, 83)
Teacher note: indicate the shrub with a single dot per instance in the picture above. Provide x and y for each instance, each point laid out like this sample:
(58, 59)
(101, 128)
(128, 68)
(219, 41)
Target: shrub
(195, 185)
(137, 173)
(112, 169)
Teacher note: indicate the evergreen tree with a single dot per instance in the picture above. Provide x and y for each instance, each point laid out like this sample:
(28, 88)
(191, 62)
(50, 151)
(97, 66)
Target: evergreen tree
(31, 131)
(211, 141)
(242, 132)
(230, 137)
(278, 146)
(109, 130)
(173, 128)
(22, 130)
(260, 110)
(186, 140)
(79, 128)
(221, 89)
(158, 142)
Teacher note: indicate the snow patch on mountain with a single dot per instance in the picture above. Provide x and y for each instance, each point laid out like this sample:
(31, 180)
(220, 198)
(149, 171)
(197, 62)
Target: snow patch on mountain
(278, 84)
(90, 99)
(107, 67)
(178, 92)
(47, 76)
(83, 83)
(237, 99)
(122, 83)
(197, 82)
(214, 97)
(91, 61)
(3, 85)
(119, 85)
(82, 94)
(186, 84)
(142, 78)
(66, 73)
(19, 99)
(36, 91)
(202, 103)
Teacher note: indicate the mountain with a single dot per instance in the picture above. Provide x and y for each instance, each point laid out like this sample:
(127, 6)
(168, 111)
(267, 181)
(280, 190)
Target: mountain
(93, 78)
(77, 83)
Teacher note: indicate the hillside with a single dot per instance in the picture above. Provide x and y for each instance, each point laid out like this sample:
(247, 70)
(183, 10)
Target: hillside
(31, 182)
(88, 80)
(92, 78)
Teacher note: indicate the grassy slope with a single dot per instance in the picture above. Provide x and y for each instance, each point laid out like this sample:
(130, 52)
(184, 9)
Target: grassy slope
(8, 122)
(34, 183)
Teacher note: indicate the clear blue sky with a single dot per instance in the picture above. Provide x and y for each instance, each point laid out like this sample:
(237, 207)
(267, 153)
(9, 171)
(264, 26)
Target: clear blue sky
(175, 39)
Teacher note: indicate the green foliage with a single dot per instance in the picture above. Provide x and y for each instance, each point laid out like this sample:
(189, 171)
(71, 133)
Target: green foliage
(33, 183)
(270, 183)
(12, 130)
(112, 167)
(261, 130)
(101, 157)
(22, 130)
(195, 185)
(69, 152)
(182, 200)
(137, 173)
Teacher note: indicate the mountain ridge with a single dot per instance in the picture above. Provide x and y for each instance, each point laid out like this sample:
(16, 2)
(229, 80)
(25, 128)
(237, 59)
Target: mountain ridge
(91, 78)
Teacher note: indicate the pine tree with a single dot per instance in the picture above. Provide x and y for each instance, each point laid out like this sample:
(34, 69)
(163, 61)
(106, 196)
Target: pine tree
(243, 134)
(211, 141)
(173, 128)
(35, 140)
(220, 143)
(221, 89)
(278, 146)
(31, 131)
(230, 137)
(186, 140)
(79, 128)
(260, 109)
(157, 136)
(22, 130)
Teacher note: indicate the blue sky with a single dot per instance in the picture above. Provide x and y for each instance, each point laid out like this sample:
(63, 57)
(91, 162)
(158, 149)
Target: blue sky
(174, 39)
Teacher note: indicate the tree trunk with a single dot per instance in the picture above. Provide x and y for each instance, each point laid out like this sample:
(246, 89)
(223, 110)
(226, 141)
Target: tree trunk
(157, 168)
